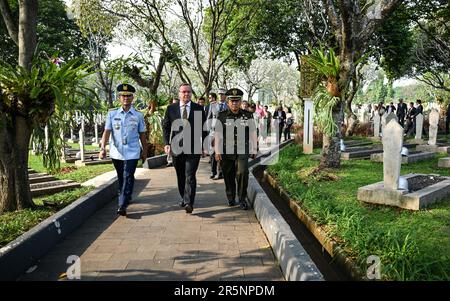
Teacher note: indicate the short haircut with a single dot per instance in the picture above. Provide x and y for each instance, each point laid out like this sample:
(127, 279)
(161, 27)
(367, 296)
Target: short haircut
(185, 84)
(213, 95)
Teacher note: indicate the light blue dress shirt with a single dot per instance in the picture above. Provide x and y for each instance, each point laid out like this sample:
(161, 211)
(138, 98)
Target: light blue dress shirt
(125, 127)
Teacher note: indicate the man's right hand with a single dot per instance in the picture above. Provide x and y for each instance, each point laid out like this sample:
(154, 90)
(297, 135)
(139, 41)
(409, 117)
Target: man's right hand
(218, 157)
(102, 154)
(167, 149)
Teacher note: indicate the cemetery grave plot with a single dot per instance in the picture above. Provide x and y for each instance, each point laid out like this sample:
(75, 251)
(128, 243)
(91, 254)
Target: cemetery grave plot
(444, 162)
(412, 191)
(44, 184)
(413, 156)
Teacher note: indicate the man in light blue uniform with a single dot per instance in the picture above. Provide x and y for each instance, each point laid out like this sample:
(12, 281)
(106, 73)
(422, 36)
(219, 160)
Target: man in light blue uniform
(128, 129)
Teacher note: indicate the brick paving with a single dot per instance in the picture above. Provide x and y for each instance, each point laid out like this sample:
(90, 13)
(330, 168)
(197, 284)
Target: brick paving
(159, 241)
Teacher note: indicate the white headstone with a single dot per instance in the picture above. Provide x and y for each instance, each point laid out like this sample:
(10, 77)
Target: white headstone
(433, 130)
(376, 124)
(391, 116)
(383, 122)
(392, 158)
(46, 142)
(63, 149)
(419, 126)
(81, 136)
(308, 122)
(96, 132)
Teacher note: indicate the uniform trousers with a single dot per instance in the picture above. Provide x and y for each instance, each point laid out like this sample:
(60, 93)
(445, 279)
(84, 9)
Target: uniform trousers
(125, 173)
(235, 171)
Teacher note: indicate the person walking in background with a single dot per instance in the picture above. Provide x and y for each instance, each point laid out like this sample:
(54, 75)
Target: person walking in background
(419, 107)
(265, 125)
(410, 119)
(212, 111)
(289, 123)
(391, 108)
(185, 149)
(402, 110)
(201, 101)
(279, 118)
(124, 129)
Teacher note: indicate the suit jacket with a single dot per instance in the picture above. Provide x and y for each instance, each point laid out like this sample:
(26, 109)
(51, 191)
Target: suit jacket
(281, 117)
(419, 110)
(197, 135)
(411, 113)
(402, 109)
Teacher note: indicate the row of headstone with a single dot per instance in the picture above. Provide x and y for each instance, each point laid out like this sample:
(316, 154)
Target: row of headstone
(381, 121)
(80, 120)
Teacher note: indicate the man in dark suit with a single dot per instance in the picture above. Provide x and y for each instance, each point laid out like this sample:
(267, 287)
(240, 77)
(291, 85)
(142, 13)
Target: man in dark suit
(402, 110)
(419, 107)
(183, 138)
(410, 119)
(279, 117)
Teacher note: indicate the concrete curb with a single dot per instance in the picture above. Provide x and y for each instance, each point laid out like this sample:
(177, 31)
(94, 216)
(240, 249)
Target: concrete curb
(292, 257)
(17, 256)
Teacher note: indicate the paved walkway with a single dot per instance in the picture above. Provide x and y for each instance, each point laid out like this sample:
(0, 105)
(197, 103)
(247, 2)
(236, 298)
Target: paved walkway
(159, 241)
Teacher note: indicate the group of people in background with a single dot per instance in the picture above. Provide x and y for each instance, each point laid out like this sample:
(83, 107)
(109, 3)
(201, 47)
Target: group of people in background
(406, 114)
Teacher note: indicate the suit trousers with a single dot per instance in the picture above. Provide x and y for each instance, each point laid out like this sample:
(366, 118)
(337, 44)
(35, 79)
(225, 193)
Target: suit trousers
(125, 173)
(235, 171)
(186, 168)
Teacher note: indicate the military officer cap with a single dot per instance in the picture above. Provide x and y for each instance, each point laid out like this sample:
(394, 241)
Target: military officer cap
(125, 89)
(234, 93)
(222, 91)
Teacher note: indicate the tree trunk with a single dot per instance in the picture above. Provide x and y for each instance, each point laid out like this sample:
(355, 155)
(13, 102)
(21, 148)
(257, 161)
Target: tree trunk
(14, 184)
(27, 31)
(15, 129)
(331, 152)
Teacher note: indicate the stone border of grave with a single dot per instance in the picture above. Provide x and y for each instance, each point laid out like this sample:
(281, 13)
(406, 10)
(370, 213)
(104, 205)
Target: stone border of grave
(17, 256)
(411, 158)
(155, 161)
(377, 194)
(444, 162)
(292, 257)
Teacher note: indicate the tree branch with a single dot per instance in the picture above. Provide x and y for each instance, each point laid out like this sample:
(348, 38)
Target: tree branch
(11, 26)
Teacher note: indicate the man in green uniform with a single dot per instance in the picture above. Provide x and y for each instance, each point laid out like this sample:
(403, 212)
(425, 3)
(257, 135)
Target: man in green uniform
(236, 140)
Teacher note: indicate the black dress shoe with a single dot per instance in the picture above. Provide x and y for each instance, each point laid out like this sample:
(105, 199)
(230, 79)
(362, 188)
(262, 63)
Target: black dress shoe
(231, 203)
(182, 204)
(189, 208)
(243, 205)
(212, 176)
(122, 211)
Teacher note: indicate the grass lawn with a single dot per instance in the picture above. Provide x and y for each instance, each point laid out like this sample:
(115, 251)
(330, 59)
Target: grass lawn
(14, 224)
(411, 245)
(86, 147)
(70, 171)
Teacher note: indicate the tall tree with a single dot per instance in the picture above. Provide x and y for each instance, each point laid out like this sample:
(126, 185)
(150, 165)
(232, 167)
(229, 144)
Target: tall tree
(29, 95)
(432, 47)
(353, 23)
(15, 132)
(57, 33)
